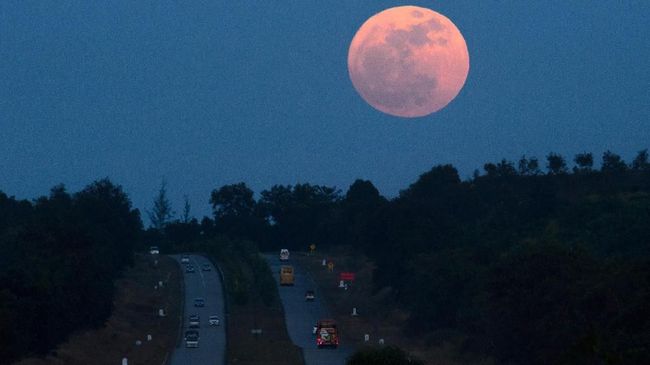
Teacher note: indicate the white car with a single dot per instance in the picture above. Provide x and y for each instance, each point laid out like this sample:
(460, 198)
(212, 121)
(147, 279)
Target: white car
(185, 259)
(154, 250)
(214, 321)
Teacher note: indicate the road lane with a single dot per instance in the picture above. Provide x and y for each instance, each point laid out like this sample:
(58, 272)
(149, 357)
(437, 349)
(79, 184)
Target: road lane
(300, 315)
(212, 343)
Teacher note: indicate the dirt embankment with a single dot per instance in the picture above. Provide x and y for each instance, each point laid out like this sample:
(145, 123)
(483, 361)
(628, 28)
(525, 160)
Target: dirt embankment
(378, 315)
(135, 316)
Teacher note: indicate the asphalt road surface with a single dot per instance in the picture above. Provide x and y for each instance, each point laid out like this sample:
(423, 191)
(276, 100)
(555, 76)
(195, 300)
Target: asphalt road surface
(300, 316)
(212, 342)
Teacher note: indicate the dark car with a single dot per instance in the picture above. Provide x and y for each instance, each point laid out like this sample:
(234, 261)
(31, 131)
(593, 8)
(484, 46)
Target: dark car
(189, 269)
(310, 295)
(206, 267)
(192, 338)
(199, 302)
(194, 321)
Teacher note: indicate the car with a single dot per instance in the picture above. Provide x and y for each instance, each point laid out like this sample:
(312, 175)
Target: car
(189, 269)
(185, 259)
(214, 321)
(206, 267)
(192, 338)
(195, 321)
(310, 296)
(154, 250)
(199, 302)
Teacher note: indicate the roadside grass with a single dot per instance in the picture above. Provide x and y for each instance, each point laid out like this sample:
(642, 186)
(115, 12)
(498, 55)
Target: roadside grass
(252, 303)
(378, 315)
(272, 346)
(135, 315)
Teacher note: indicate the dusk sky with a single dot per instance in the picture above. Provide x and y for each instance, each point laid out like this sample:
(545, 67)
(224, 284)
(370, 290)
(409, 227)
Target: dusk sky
(207, 93)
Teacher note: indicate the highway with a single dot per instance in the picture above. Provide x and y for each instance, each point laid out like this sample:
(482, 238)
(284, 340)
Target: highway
(212, 342)
(300, 316)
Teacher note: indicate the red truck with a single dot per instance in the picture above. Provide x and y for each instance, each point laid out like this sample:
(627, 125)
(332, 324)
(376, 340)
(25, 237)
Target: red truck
(326, 333)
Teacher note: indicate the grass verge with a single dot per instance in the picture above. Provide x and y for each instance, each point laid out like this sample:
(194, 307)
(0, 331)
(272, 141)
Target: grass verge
(135, 315)
(253, 303)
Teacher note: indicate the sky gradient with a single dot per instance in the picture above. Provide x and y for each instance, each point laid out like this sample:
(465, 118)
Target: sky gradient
(216, 92)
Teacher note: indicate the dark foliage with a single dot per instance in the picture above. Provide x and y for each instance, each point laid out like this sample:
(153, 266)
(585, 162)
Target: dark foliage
(525, 267)
(59, 257)
(388, 355)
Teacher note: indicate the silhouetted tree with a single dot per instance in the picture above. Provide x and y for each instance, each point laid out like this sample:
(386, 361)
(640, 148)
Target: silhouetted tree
(640, 162)
(235, 200)
(59, 258)
(612, 163)
(584, 162)
(235, 211)
(161, 212)
(556, 164)
(528, 166)
(186, 210)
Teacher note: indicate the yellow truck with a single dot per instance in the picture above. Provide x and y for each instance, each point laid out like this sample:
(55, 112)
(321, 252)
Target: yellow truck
(286, 275)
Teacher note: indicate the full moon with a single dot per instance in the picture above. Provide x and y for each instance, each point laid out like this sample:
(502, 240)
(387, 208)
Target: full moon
(408, 61)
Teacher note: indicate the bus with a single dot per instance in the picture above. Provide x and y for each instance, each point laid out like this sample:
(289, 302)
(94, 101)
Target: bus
(286, 275)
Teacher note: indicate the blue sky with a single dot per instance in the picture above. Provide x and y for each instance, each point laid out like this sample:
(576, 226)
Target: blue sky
(216, 92)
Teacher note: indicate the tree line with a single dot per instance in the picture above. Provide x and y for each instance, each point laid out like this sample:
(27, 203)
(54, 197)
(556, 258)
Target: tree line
(59, 257)
(524, 263)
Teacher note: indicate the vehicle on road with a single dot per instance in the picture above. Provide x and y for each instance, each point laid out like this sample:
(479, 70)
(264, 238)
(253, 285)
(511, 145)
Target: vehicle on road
(326, 333)
(310, 296)
(185, 259)
(195, 321)
(206, 267)
(192, 338)
(189, 269)
(286, 275)
(284, 254)
(199, 302)
(154, 250)
(214, 321)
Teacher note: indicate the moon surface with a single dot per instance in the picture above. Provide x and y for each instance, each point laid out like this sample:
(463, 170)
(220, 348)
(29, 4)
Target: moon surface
(408, 61)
